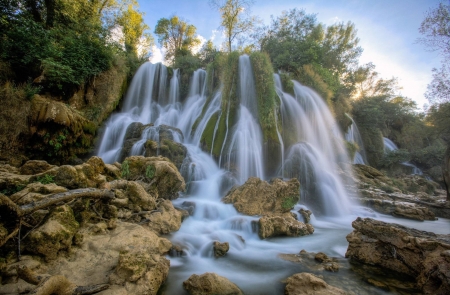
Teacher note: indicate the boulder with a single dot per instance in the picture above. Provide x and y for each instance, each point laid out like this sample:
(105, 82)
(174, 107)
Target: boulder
(54, 235)
(418, 254)
(36, 191)
(220, 249)
(306, 214)
(35, 167)
(158, 173)
(400, 209)
(165, 219)
(258, 197)
(308, 284)
(170, 149)
(210, 284)
(282, 225)
(313, 261)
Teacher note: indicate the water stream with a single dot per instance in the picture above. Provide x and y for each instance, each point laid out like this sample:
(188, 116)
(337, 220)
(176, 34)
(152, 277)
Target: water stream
(311, 149)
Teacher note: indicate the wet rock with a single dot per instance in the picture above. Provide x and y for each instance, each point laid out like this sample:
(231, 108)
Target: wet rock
(170, 149)
(400, 209)
(282, 225)
(306, 214)
(408, 251)
(308, 284)
(210, 284)
(313, 261)
(158, 173)
(258, 197)
(35, 167)
(220, 249)
(165, 219)
(54, 235)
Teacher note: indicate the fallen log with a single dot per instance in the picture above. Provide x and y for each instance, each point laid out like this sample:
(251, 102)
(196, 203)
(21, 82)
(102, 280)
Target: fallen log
(11, 214)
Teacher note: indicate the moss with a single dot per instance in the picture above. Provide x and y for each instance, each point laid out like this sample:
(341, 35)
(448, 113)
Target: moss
(286, 82)
(266, 95)
(208, 133)
(290, 201)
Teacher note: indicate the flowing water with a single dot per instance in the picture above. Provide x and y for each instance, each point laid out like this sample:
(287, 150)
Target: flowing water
(311, 149)
(352, 135)
(390, 146)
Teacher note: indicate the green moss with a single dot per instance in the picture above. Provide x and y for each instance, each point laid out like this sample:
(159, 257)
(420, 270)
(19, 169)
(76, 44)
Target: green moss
(150, 171)
(266, 95)
(208, 133)
(289, 202)
(45, 179)
(286, 82)
(125, 169)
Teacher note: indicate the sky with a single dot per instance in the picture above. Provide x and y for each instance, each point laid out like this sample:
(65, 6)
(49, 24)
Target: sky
(388, 31)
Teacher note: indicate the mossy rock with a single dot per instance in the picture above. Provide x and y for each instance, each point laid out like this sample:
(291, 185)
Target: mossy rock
(54, 235)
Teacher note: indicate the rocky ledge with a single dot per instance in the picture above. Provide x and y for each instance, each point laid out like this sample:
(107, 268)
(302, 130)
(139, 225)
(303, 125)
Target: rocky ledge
(273, 201)
(424, 256)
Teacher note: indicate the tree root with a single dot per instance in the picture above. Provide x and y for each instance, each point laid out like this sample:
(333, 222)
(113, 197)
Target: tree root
(58, 285)
(11, 214)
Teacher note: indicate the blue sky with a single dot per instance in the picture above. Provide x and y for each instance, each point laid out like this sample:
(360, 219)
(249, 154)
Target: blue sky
(387, 29)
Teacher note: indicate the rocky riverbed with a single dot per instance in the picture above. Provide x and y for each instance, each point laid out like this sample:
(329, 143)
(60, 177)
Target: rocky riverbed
(102, 228)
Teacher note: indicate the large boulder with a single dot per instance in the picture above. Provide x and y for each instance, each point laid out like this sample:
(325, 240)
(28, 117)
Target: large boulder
(258, 197)
(54, 235)
(419, 254)
(282, 225)
(400, 209)
(210, 284)
(165, 219)
(35, 167)
(308, 284)
(158, 173)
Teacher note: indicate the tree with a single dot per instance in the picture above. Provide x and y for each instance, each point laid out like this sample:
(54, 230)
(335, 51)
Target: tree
(176, 34)
(436, 30)
(235, 18)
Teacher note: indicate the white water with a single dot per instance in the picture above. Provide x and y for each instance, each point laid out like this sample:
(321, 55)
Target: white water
(390, 146)
(353, 135)
(314, 148)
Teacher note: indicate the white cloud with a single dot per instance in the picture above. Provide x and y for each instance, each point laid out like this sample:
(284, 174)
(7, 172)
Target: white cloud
(157, 54)
(197, 48)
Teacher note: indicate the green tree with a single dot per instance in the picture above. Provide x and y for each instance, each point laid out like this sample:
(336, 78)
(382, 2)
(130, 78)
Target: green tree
(176, 34)
(235, 18)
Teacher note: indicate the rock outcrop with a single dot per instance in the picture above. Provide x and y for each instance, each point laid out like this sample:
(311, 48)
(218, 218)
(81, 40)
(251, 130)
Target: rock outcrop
(409, 196)
(258, 197)
(421, 255)
(210, 284)
(308, 284)
(220, 249)
(282, 225)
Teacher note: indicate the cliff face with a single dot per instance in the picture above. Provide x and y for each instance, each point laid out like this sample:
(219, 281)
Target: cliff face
(47, 127)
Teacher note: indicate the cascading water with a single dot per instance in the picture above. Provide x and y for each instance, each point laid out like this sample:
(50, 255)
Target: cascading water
(314, 153)
(317, 152)
(352, 135)
(390, 146)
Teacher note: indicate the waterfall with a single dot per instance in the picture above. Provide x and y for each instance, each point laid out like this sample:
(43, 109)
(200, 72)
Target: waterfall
(353, 135)
(311, 150)
(390, 146)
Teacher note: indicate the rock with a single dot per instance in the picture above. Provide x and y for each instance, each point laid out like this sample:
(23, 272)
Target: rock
(308, 284)
(35, 167)
(313, 261)
(282, 225)
(11, 182)
(170, 149)
(321, 257)
(306, 214)
(36, 191)
(160, 175)
(220, 249)
(166, 219)
(405, 250)
(258, 197)
(210, 284)
(399, 209)
(54, 235)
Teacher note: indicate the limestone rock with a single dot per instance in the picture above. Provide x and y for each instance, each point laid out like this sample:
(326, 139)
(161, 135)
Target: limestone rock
(308, 284)
(400, 209)
(166, 220)
(258, 197)
(55, 234)
(170, 149)
(405, 250)
(159, 173)
(13, 182)
(36, 191)
(282, 225)
(220, 249)
(35, 167)
(306, 214)
(210, 284)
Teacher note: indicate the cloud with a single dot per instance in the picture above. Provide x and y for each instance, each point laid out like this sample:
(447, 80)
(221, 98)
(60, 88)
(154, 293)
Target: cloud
(197, 48)
(157, 54)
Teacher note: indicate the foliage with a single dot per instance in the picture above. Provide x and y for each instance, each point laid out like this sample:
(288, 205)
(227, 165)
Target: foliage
(236, 20)
(394, 157)
(175, 34)
(436, 30)
(125, 169)
(150, 171)
(45, 179)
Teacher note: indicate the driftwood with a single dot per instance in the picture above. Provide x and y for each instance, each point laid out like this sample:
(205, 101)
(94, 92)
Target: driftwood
(11, 214)
(58, 285)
